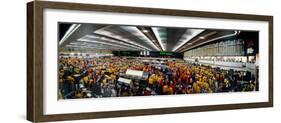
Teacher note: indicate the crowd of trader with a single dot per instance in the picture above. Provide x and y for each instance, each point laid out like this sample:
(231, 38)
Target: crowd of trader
(98, 77)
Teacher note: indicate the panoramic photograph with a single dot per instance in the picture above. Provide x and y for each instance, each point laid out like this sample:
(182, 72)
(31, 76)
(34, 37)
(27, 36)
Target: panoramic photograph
(102, 60)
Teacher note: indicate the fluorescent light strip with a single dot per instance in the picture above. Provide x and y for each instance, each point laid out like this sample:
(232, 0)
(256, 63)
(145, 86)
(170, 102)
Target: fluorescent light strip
(71, 30)
(137, 33)
(217, 38)
(209, 34)
(94, 44)
(108, 34)
(97, 47)
(195, 32)
(142, 35)
(92, 41)
(200, 38)
(156, 32)
(110, 40)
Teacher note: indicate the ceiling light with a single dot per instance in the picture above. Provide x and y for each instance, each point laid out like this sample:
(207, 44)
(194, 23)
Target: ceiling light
(186, 38)
(217, 38)
(71, 30)
(157, 34)
(91, 37)
(127, 28)
(141, 36)
(145, 31)
(102, 38)
(202, 37)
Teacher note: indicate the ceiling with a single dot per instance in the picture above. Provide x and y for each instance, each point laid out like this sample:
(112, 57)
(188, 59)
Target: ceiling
(137, 38)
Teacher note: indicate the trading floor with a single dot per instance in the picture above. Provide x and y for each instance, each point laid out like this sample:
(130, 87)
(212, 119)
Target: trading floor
(121, 76)
(122, 61)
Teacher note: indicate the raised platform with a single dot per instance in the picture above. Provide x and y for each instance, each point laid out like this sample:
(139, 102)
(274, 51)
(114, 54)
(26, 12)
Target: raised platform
(226, 65)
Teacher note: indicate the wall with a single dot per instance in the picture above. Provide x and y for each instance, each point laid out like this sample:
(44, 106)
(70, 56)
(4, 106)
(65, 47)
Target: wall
(13, 60)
